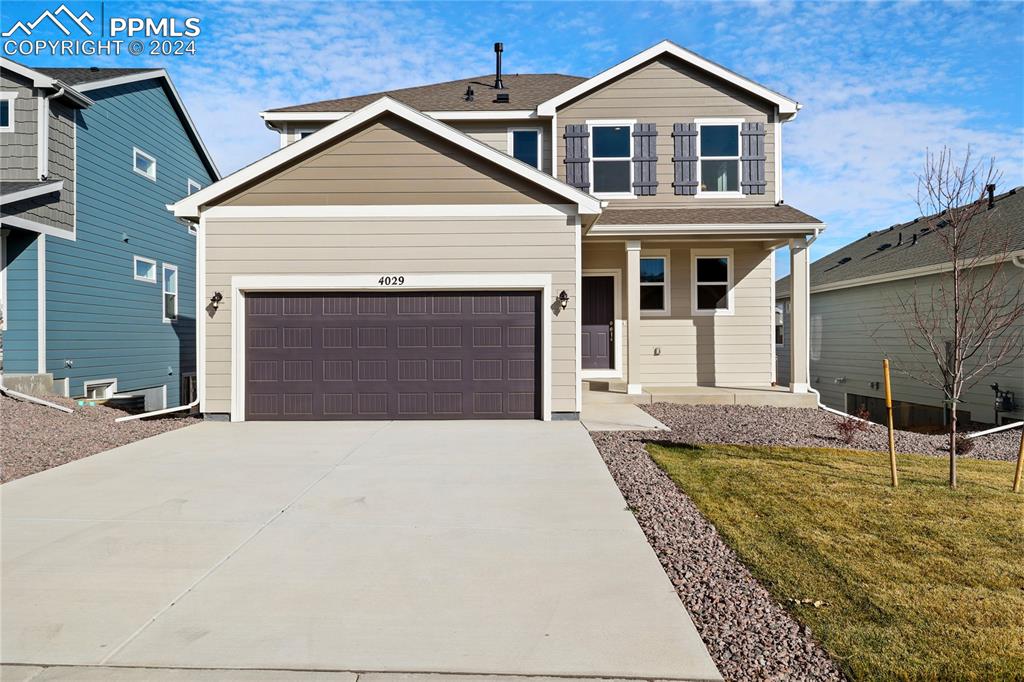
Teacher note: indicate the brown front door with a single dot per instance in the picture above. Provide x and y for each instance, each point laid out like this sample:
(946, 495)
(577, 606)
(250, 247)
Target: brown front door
(417, 355)
(596, 329)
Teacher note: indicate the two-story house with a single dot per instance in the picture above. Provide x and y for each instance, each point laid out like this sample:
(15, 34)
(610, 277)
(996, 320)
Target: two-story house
(483, 248)
(98, 280)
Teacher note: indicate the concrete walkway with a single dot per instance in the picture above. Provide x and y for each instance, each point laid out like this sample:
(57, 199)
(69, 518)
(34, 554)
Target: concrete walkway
(392, 547)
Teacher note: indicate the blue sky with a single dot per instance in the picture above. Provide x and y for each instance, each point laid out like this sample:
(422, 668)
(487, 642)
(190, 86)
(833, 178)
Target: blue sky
(880, 82)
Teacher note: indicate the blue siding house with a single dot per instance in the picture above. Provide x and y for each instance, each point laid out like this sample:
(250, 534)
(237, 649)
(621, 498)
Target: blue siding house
(98, 283)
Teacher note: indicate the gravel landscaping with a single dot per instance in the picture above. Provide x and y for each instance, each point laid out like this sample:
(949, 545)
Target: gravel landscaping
(742, 425)
(34, 438)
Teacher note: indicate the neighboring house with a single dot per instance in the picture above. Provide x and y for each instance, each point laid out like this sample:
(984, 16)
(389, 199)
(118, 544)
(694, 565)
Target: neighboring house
(481, 248)
(98, 279)
(854, 297)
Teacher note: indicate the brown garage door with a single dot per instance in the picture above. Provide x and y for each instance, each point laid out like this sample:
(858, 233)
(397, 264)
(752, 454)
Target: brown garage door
(423, 355)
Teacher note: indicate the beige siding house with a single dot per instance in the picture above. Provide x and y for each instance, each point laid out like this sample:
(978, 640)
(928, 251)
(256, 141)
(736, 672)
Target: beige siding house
(500, 247)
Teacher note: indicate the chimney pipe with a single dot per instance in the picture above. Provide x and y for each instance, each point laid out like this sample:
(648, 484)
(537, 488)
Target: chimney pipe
(498, 49)
(991, 189)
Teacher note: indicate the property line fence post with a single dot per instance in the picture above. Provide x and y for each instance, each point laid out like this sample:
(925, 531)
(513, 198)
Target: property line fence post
(892, 435)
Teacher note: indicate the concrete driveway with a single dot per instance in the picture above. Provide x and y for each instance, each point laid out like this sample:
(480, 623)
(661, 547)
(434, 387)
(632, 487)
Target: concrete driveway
(452, 547)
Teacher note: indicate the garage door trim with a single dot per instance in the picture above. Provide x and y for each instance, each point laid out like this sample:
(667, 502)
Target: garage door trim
(243, 284)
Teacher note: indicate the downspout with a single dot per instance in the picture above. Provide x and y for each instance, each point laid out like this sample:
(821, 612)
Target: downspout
(43, 131)
(30, 399)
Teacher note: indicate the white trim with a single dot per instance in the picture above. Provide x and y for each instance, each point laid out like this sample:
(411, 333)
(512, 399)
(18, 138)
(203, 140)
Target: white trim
(779, 197)
(111, 383)
(189, 184)
(42, 137)
(136, 153)
(634, 389)
(705, 229)
(726, 194)
(11, 197)
(318, 212)
(135, 269)
(772, 304)
(39, 79)
(163, 292)
(490, 115)
(201, 314)
(786, 105)
(189, 206)
(121, 80)
(240, 284)
(666, 255)
(33, 226)
(9, 96)
(3, 280)
(610, 123)
(618, 324)
(41, 304)
(577, 232)
(510, 146)
(729, 284)
(74, 174)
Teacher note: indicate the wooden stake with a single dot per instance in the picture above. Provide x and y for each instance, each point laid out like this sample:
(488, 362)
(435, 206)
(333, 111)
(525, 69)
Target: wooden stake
(1020, 463)
(892, 435)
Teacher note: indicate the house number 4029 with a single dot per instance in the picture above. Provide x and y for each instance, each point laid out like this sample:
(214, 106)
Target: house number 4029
(391, 280)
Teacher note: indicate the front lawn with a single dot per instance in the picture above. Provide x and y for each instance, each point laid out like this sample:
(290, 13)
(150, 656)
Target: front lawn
(919, 582)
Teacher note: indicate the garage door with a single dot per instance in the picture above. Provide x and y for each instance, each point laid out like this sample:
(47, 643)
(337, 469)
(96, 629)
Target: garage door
(423, 355)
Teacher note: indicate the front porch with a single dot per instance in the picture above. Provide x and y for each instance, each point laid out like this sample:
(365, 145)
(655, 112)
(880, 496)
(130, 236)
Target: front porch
(597, 392)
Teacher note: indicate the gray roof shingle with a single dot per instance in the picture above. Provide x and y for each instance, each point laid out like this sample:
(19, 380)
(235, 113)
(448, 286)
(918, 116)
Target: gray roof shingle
(894, 249)
(79, 76)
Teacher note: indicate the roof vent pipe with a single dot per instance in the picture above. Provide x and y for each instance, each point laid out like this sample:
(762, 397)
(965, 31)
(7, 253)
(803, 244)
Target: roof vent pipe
(498, 49)
(991, 189)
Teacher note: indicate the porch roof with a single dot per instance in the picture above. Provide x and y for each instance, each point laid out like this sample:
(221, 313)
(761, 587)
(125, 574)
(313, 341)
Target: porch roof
(759, 221)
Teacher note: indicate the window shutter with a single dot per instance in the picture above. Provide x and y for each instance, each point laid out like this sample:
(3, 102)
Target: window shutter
(577, 156)
(684, 158)
(752, 159)
(645, 159)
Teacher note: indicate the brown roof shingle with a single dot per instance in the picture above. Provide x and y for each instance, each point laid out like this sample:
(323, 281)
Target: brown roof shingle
(764, 215)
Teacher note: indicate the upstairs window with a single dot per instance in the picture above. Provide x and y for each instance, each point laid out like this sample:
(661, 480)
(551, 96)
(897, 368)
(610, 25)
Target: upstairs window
(712, 282)
(7, 111)
(654, 284)
(611, 154)
(143, 164)
(524, 144)
(170, 293)
(719, 158)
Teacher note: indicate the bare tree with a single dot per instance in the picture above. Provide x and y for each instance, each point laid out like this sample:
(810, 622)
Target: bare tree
(964, 321)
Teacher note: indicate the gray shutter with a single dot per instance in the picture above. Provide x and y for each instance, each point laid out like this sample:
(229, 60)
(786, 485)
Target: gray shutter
(752, 158)
(645, 159)
(684, 158)
(577, 156)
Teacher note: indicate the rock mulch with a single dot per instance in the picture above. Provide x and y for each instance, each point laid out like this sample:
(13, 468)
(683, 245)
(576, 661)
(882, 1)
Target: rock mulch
(34, 438)
(749, 635)
(743, 425)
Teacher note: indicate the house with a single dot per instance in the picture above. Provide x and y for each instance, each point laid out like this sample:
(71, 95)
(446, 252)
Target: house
(493, 247)
(98, 279)
(854, 297)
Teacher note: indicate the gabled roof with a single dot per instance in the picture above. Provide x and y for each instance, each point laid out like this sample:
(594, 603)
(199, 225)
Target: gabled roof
(76, 77)
(907, 249)
(787, 107)
(525, 92)
(189, 207)
(40, 79)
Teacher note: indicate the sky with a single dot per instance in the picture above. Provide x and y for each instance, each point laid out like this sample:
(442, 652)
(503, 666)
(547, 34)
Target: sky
(880, 82)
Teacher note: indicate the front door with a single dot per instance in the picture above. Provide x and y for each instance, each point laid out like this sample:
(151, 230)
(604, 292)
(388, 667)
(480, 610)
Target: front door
(597, 328)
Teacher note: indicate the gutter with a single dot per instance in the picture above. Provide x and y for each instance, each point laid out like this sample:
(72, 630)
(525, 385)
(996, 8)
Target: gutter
(31, 399)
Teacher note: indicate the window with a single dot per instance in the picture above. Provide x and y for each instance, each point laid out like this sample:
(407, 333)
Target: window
(170, 293)
(719, 144)
(779, 322)
(145, 269)
(524, 144)
(99, 389)
(654, 284)
(143, 164)
(7, 111)
(712, 282)
(611, 154)
(193, 186)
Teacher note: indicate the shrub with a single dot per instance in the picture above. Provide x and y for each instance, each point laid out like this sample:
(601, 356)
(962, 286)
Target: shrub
(852, 426)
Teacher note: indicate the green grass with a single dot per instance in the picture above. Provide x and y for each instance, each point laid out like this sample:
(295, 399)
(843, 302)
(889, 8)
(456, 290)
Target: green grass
(918, 583)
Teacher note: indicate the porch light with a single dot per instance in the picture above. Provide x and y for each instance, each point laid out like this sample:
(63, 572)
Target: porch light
(563, 299)
(216, 299)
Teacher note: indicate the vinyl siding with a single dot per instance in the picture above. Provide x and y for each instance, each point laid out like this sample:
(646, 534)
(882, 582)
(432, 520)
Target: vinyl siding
(19, 162)
(361, 246)
(667, 91)
(99, 317)
(857, 330)
(726, 350)
(390, 161)
(21, 339)
(495, 134)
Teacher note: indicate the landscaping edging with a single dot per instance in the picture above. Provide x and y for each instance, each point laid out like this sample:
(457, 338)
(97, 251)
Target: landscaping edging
(750, 636)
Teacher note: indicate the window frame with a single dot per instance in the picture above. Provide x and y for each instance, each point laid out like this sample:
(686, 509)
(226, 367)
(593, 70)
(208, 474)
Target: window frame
(540, 143)
(665, 255)
(729, 255)
(9, 96)
(712, 194)
(189, 184)
(610, 123)
(136, 153)
(163, 291)
(135, 269)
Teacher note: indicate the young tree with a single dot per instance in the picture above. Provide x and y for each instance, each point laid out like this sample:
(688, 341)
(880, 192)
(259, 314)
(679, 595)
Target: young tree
(965, 321)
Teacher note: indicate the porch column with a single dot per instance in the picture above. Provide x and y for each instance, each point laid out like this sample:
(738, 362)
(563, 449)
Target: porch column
(800, 315)
(632, 374)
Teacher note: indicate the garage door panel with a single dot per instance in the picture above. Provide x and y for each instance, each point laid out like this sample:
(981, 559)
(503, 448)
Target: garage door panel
(421, 355)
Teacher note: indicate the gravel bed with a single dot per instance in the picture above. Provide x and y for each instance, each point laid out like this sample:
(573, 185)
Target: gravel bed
(749, 635)
(34, 438)
(744, 425)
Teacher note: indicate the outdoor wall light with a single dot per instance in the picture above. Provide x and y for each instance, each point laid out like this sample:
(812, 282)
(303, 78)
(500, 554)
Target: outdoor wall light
(216, 299)
(563, 299)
